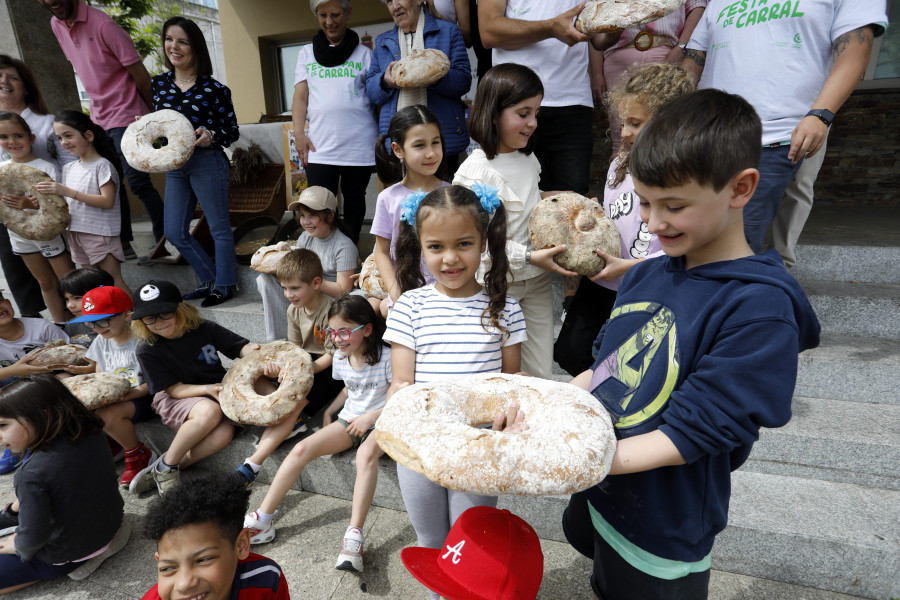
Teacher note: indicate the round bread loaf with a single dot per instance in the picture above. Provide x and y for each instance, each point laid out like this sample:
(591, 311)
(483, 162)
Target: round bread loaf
(434, 429)
(602, 16)
(421, 68)
(266, 259)
(57, 354)
(96, 390)
(581, 224)
(241, 403)
(48, 221)
(370, 280)
(138, 139)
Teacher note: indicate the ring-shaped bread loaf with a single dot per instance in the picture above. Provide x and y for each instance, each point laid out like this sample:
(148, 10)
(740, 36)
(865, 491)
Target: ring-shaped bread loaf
(48, 221)
(241, 403)
(370, 280)
(433, 429)
(602, 16)
(96, 390)
(581, 224)
(57, 354)
(138, 139)
(421, 68)
(266, 259)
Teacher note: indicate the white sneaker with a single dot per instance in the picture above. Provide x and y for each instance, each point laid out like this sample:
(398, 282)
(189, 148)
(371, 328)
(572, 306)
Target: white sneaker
(260, 532)
(351, 556)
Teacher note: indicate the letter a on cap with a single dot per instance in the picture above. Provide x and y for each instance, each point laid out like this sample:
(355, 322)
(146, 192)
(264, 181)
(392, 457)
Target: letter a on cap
(456, 551)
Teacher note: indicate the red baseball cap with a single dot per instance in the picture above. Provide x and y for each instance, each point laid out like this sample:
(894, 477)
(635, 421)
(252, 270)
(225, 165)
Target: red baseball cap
(489, 554)
(102, 302)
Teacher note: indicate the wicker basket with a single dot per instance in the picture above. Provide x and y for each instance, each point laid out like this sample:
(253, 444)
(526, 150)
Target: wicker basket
(264, 196)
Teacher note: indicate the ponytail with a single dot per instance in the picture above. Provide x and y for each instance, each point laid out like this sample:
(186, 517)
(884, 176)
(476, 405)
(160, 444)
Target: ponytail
(409, 258)
(388, 167)
(495, 281)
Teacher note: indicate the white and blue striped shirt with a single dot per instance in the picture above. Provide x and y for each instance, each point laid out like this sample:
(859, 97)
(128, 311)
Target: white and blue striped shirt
(449, 334)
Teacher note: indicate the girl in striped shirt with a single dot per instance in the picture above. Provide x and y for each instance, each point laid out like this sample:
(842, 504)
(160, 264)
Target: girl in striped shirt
(453, 327)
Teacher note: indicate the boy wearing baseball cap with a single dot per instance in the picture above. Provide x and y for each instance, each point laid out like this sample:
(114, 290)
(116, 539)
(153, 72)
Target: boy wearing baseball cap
(107, 310)
(489, 554)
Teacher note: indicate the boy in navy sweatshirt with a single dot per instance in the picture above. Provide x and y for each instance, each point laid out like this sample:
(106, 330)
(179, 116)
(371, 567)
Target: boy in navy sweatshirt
(699, 353)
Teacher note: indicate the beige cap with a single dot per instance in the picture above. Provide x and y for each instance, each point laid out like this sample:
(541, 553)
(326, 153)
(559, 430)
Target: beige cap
(316, 198)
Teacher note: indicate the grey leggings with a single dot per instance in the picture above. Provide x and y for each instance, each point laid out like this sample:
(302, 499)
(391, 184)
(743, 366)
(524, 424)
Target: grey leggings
(433, 509)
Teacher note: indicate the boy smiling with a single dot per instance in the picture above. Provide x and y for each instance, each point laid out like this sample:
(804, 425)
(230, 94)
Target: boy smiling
(202, 549)
(699, 353)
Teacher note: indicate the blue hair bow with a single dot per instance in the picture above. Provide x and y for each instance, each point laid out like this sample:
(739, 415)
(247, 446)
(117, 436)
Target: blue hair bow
(490, 200)
(409, 206)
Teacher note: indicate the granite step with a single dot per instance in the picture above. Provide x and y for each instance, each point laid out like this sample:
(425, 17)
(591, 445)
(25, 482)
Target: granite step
(839, 537)
(834, 440)
(852, 368)
(829, 262)
(861, 309)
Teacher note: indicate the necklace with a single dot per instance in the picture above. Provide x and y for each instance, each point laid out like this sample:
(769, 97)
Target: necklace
(185, 83)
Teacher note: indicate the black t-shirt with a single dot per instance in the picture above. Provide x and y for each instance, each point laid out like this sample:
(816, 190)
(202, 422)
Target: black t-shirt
(191, 359)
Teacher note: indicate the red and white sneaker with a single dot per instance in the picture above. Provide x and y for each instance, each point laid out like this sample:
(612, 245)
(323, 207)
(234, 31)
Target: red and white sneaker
(260, 532)
(351, 556)
(135, 462)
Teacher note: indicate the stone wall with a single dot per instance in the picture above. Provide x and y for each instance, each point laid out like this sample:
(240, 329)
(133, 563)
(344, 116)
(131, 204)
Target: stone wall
(862, 162)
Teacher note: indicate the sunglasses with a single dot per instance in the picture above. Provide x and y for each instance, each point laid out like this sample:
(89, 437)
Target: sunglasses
(102, 323)
(151, 319)
(341, 334)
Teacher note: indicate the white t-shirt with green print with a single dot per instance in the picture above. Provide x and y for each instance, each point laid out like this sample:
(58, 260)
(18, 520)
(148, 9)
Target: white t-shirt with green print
(777, 55)
(342, 123)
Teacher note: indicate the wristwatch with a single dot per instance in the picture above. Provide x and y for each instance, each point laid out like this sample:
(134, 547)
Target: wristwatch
(683, 47)
(823, 114)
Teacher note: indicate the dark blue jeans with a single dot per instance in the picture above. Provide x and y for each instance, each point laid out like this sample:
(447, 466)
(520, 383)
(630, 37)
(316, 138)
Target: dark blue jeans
(776, 172)
(563, 146)
(203, 178)
(142, 187)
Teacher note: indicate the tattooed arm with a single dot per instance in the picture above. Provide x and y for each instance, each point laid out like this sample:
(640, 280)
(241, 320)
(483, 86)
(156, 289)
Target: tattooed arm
(851, 53)
(693, 63)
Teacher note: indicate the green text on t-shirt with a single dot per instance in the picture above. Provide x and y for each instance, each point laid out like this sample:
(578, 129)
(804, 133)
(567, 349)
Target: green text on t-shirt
(348, 69)
(745, 13)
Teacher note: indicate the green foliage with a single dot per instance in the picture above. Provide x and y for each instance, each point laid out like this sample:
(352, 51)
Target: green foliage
(143, 20)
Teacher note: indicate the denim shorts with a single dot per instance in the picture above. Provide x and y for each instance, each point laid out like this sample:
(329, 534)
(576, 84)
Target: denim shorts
(357, 440)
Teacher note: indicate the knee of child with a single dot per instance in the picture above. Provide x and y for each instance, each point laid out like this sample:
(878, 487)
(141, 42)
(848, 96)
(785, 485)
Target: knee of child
(209, 413)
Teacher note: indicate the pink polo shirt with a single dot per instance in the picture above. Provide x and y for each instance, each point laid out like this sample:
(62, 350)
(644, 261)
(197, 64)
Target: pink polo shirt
(100, 50)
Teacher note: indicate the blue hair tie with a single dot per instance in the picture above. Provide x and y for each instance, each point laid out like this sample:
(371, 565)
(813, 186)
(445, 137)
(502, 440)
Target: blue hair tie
(490, 199)
(409, 206)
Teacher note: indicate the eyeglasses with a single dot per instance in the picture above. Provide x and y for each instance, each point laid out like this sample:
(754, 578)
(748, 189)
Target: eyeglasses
(151, 319)
(341, 334)
(102, 323)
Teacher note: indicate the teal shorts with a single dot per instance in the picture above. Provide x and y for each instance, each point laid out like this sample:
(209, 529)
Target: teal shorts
(357, 441)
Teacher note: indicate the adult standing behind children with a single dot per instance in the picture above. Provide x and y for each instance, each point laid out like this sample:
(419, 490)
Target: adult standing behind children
(541, 34)
(415, 28)
(700, 352)
(118, 84)
(778, 59)
(330, 91)
(189, 88)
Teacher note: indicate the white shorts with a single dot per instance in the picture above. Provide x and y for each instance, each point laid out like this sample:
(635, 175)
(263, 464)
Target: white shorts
(49, 248)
